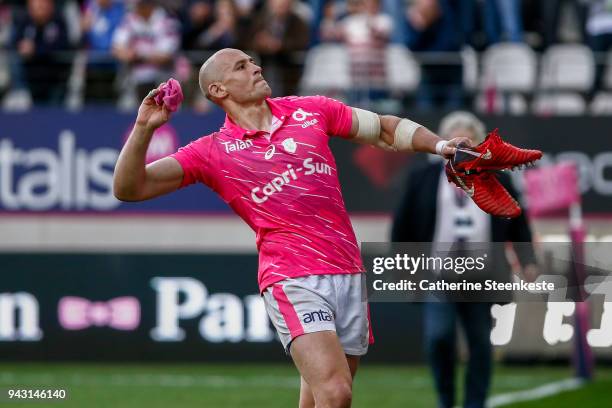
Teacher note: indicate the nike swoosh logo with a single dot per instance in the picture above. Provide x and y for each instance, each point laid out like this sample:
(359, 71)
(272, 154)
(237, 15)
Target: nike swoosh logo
(486, 156)
(469, 191)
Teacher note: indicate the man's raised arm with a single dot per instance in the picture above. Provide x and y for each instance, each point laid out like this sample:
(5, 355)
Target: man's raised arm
(135, 181)
(401, 135)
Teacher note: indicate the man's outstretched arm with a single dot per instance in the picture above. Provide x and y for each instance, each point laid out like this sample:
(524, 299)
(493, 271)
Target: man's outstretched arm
(402, 135)
(135, 181)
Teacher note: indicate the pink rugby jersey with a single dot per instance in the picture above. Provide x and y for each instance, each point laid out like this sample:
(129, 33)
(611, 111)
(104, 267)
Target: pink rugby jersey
(284, 185)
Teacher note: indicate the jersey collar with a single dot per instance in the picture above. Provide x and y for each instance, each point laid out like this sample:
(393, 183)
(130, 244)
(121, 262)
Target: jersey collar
(277, 110)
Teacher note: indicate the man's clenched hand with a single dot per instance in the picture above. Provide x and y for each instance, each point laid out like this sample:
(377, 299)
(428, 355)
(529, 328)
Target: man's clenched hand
(150, 115)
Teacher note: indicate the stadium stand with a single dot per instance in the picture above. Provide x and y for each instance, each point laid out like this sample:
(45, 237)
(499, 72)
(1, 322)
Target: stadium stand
(501, 77)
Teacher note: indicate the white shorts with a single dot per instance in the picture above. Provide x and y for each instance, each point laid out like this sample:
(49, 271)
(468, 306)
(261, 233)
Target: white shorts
(318, 303)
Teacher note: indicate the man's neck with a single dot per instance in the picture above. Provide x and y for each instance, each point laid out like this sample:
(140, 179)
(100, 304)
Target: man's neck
(256, 116)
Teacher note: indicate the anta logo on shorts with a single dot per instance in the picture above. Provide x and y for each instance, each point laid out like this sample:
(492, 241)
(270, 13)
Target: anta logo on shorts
(320, 316)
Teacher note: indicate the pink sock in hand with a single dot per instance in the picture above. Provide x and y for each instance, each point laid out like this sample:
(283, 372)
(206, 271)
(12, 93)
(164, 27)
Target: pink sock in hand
(170, 94)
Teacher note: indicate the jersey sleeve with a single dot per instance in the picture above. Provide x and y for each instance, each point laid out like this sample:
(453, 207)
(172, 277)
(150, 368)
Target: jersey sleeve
(194, 158)
(338, 116)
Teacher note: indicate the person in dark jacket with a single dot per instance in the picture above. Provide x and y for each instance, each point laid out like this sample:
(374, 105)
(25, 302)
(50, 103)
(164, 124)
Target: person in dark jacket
(277, 33)
(435, 211)
(39, 40)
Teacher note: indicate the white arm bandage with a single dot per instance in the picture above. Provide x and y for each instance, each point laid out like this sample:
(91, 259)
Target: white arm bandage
(369, 127)
(369, 132)
(440, 146)
(404, 132)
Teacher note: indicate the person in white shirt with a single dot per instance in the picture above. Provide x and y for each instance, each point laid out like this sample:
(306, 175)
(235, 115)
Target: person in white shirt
(147, 41)
(435, 211)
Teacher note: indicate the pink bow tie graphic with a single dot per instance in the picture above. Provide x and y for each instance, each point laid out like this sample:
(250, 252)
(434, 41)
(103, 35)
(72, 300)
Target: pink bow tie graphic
(122, 313)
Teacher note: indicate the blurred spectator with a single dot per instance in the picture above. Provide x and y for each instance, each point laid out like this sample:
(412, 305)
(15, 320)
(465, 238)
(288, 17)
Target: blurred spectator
(329, 29)
(468, 12)
(247, 8)
(39, 40)
(434, 26)
(277, 33)
(503, 21)
(599, 35)
(173, 7)
(99, 22)
(197, 18)
(552, 22)
(318, 8)
(422, 14)
(210, 25)
(366, 32)
(433, 210)
(5, 24)
(147, 41)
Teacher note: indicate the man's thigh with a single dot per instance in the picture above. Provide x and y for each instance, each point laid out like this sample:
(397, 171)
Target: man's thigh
(320, 357)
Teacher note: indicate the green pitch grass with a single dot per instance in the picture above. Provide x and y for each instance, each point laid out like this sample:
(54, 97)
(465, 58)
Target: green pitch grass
(269, 386)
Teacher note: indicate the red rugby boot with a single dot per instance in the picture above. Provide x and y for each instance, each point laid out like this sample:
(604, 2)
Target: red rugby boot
(493, 154)
(486, 191)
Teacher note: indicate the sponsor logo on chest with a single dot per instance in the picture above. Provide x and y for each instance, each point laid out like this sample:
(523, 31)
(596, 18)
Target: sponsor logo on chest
(237, 145)
(261, 194)
(302, 116)
(289, 145)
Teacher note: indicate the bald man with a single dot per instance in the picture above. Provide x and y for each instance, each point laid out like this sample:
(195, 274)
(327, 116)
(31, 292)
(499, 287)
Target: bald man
(271, 163)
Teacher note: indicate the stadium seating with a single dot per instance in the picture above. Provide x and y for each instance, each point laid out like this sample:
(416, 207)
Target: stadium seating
(601, 104)
(564, 104)
(469, 60)
(567, 67)
(326, 68)
(403, 71)
(510, 67)
(567, 73)
(602, 101)
(509, 70)
(505, 78)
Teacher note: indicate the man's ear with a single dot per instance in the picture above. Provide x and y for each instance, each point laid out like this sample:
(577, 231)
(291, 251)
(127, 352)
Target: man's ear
(217, 90)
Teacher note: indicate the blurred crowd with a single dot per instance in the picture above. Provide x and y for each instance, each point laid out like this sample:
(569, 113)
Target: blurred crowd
(71, 53)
